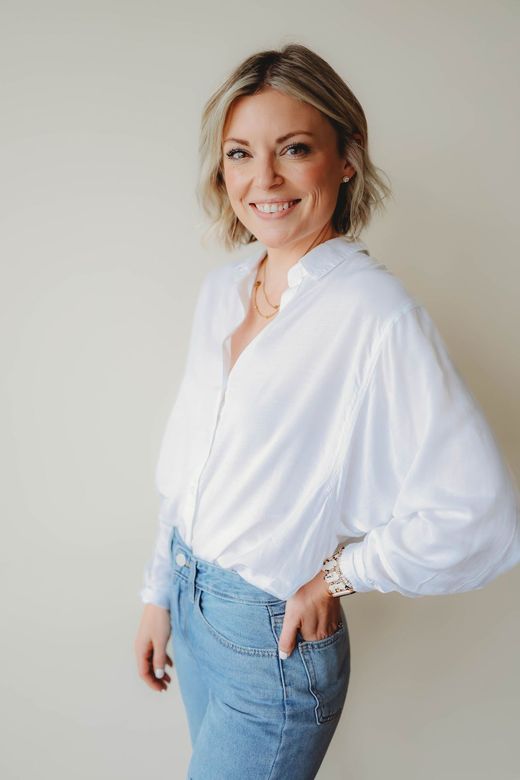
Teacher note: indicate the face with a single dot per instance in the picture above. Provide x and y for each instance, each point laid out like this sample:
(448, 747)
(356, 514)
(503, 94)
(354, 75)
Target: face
(281, 150)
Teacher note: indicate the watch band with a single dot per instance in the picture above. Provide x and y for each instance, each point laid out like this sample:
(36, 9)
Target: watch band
(337, 583)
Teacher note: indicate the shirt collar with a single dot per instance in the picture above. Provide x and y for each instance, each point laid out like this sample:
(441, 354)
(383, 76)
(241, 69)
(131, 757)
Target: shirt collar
(319, 261)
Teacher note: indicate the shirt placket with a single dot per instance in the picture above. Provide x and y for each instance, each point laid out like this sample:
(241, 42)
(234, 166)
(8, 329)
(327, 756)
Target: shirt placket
(243, 290)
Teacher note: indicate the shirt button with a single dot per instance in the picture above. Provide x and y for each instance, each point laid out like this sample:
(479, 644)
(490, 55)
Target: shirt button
(180, 558)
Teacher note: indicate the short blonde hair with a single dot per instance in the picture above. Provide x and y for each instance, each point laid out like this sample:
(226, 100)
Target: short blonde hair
(299, 72)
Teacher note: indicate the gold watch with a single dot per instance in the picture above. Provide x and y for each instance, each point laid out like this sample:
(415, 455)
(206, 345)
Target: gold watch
(337, 583)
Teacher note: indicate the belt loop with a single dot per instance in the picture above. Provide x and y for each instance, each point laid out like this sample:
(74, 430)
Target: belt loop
(192, 578)
(172, 541)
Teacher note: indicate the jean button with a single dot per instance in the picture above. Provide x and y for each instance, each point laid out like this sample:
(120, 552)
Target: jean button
(180, 558)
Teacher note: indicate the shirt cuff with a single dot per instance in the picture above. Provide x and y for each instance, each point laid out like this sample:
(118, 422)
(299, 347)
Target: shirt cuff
(150, 596)
(351, 566)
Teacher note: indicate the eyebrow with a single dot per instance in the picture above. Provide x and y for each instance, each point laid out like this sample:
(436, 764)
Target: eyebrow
(278, 140)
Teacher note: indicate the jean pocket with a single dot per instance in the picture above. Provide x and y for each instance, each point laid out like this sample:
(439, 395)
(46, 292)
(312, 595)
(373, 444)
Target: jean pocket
(240, 626)
(327, 664)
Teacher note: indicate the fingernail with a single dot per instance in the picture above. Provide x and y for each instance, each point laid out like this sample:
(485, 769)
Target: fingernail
(159, 673)
(282, 654)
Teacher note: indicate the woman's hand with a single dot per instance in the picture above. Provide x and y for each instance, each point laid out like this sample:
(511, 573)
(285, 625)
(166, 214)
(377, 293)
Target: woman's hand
(150, 646)
(312, 610)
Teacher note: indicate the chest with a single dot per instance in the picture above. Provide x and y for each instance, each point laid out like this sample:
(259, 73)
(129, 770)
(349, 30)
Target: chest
(242, 336)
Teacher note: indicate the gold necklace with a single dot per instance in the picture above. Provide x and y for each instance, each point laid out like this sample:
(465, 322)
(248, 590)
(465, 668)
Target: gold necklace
(258, 282)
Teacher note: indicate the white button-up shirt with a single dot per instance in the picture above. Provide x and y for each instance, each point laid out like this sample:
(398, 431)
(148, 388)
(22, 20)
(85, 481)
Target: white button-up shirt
(344, 419)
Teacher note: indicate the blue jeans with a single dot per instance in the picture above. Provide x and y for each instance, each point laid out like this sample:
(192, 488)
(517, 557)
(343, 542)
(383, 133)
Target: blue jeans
(250, 714)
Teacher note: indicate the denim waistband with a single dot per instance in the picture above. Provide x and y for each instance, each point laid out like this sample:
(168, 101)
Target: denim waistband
(212, 577)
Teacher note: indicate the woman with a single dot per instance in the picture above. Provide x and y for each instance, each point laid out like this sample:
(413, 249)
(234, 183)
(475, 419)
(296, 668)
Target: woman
(318, 404)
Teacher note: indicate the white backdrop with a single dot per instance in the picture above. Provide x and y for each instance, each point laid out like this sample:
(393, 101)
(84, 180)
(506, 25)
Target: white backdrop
(100, 245)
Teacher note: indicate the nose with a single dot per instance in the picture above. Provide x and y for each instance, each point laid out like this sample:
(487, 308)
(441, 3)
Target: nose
(266, 173)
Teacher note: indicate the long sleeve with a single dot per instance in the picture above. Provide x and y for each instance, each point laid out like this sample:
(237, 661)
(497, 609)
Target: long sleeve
(158, 570)
(423, 457)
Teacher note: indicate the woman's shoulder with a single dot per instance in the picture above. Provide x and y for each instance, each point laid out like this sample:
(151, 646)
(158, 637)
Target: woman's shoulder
(221, 277)
(215, 279)
(370, 286)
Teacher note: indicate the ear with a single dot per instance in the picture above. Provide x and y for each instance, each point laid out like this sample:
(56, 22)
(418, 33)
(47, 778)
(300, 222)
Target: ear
(348, 169)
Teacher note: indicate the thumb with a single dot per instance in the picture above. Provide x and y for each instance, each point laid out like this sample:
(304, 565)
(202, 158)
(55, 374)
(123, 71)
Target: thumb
(159, 661)
(287, 641)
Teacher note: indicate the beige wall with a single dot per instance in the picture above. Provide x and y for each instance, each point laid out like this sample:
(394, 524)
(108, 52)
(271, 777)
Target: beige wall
(101, 261)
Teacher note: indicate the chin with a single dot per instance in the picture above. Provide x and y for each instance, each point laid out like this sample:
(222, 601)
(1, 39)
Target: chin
(279, 238)
(272, 240)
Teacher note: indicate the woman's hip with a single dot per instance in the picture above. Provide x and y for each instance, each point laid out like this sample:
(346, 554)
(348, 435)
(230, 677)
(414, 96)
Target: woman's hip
(232, 628)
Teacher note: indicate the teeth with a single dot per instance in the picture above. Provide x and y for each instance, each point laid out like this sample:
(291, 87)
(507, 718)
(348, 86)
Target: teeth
(269, 208)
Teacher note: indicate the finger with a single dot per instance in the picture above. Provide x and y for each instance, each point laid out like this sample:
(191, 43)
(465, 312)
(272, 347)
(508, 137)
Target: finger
(151, 680)
(144, 655)
(146, 669)
(159, 661)
(164, 681)
(287, 641)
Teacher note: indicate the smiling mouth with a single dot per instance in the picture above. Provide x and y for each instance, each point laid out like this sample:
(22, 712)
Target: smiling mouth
(274, 209)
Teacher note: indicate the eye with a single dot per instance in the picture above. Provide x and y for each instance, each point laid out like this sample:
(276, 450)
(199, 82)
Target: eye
(299, 147)
(232, 152)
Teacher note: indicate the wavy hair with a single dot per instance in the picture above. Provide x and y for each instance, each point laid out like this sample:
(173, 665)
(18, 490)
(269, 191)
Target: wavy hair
(298, 72)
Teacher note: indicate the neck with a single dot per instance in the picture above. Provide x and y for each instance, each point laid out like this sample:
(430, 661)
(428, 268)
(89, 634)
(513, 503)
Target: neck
(281, 258)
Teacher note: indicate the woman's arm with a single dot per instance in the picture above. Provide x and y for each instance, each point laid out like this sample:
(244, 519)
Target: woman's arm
(439, 501)
(155, 626)
(158, 570)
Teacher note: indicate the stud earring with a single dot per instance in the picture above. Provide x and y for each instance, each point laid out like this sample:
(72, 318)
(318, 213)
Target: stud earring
(345, 178)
